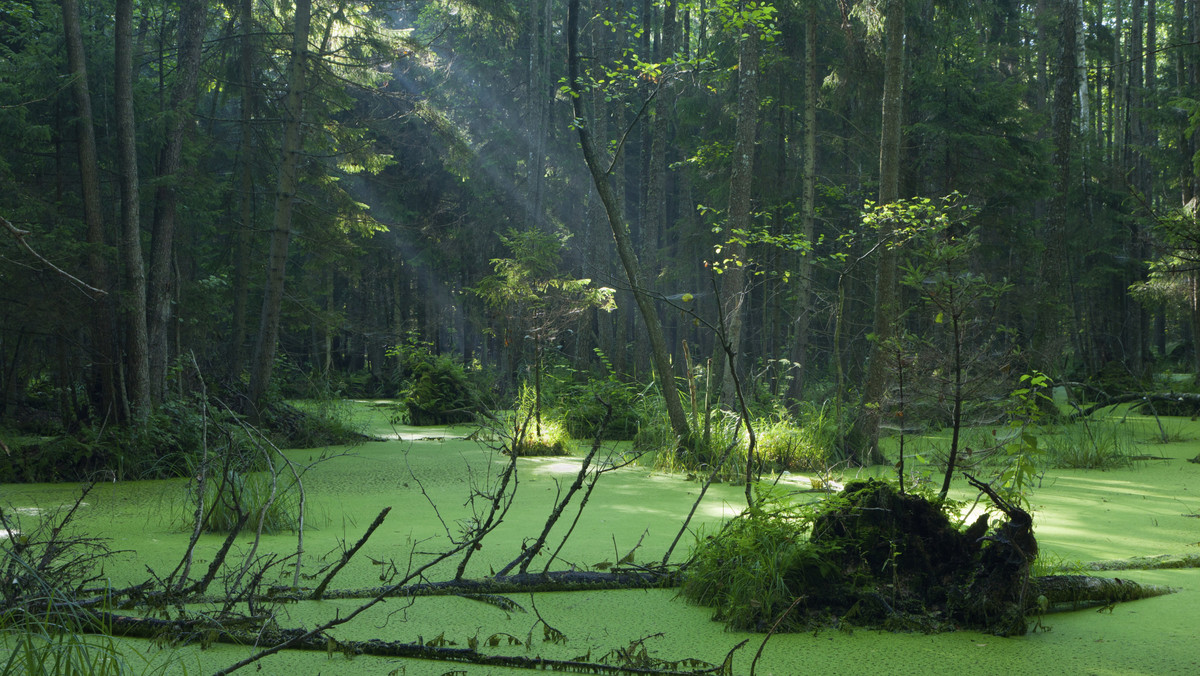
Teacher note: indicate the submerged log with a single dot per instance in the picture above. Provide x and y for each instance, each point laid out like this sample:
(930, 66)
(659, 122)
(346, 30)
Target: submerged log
(1071, 592)
(1172, 403)
(439, 648)
(553, 581)
(1157, 562)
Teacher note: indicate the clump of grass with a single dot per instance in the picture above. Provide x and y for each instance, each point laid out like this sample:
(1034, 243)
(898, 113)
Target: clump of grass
(236, 493)
(537, 431)
(756, 566)
(782, 443)
(1090, 445)
(551, 439)
(796, 443)
(1052, 564)
(42, 645)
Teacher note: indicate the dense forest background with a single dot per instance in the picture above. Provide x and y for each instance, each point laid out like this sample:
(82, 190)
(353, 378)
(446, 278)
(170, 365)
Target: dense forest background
(293, 199)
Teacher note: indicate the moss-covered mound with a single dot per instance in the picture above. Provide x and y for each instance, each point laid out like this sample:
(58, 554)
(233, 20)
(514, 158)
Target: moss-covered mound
(873, 557)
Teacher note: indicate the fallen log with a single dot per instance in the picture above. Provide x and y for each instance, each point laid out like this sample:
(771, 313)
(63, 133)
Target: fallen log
(554, 581)
(1174, 399)
(1072, 592)
(1157, 562)
(438, 648)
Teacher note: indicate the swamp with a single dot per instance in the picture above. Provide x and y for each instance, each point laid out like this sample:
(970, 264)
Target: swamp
(663, 337)
(1142, 512)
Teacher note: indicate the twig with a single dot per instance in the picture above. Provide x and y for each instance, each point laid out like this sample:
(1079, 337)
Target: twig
(528, 553)
(696, 504)
(778, 620)
(201, 483)
(20, 235)
(348, 554)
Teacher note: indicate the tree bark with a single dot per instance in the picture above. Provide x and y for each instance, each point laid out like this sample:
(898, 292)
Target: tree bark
(733, 292)
(629, 260)
(655, 216)
(104, 345)
(136, 343)
(246, 200)
(162, 234)
(1071, 592)
(1046, 335)
(808, 211)
(863, 439)
(285, 195)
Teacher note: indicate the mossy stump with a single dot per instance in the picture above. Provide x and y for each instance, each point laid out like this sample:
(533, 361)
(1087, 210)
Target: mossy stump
(904, 565)
(874, 557)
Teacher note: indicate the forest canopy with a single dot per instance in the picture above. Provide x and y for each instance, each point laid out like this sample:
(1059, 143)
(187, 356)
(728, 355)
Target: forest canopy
(294, 199)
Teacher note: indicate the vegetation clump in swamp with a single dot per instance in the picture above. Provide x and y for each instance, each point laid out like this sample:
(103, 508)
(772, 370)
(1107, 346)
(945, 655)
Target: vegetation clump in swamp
(871, 556)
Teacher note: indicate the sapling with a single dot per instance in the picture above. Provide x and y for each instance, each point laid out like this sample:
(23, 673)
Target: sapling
(962, 301)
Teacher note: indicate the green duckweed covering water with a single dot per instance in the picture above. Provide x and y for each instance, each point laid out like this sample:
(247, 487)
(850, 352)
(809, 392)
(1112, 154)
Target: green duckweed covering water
(1147, 508)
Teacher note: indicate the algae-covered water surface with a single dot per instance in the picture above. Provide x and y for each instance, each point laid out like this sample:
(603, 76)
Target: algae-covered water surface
(427, 476)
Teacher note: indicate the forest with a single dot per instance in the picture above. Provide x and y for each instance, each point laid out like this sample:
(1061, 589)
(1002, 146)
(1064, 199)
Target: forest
(292, 199)
(743, 237)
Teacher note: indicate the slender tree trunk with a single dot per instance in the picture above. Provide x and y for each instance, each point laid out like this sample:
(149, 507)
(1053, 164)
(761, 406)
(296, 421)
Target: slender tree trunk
(162, 234)
(1181, 34)
(864, 436)
(285, 195)
(246, 198)
(136, 344)
(808, 210)
(661, 358)
(104, 346)
(655, 220)
(733, 293)
(1081, 70)
(1046, 336)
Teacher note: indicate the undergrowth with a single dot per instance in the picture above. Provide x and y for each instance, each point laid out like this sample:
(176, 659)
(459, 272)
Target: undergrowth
(783, 442)
(273, 502)
(1090, 445)
(57, 645)
(167, 443)
(757, 564)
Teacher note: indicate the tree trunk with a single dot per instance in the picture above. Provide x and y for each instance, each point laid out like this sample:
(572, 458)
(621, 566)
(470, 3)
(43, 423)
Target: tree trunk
(162, 234)
(285, 194)
(105, 351)
(246, 200)
(655, 219)
(131, 242)
(658, 346)
(733, 292)
(1046, 335)
(808, 211)
(864, 436)
(1081, 70)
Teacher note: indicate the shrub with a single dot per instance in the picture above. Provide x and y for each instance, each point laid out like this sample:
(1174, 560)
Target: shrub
(438, 391)
(547, 437)
(583, 410)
